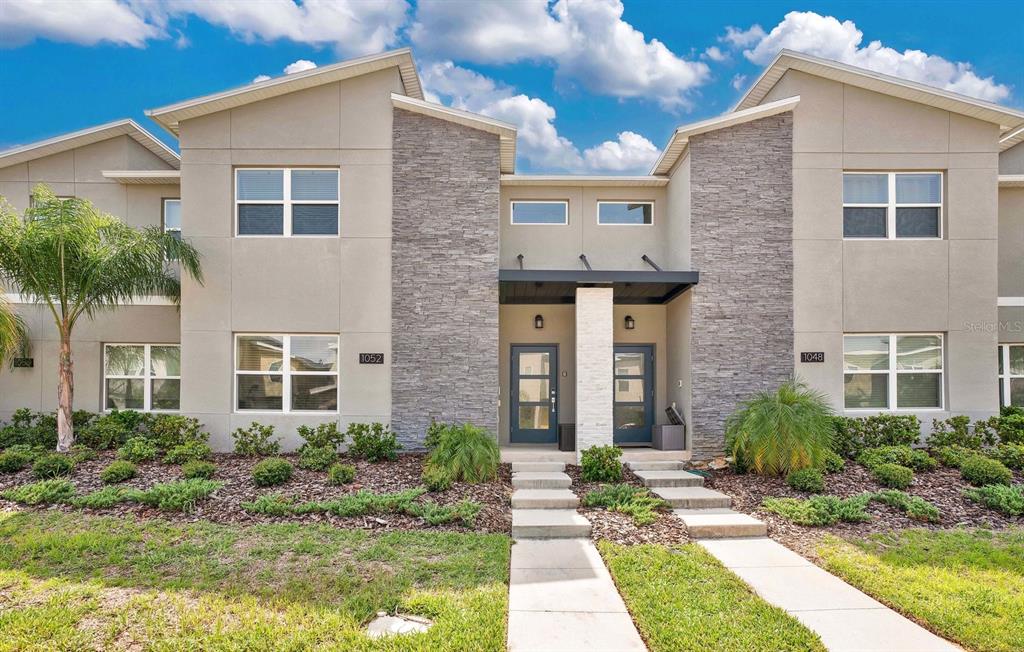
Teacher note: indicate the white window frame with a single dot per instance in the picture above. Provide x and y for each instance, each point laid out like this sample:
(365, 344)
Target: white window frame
(286, 374)
(623, 201)
(146, 377)
(893, 373)
(1006, 376)
(287, 202)
(512, 211)
(891, 205)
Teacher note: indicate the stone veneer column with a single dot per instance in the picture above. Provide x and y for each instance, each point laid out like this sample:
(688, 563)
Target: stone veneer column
(595, 346)
(444, 276)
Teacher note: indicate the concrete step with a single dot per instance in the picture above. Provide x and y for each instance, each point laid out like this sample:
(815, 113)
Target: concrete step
(655, 465)
(540, 480)
(544, 499)
(693, 497)
(670, 478)
(550, 467)
(720, 524)
(549, 524)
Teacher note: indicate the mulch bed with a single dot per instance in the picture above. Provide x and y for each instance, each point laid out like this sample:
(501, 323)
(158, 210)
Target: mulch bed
(619, 528)
(224, 506)
(942, 487)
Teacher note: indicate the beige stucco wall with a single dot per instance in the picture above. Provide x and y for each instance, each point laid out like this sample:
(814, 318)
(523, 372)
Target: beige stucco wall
(947, 285)
(1012, 160)
(1011, 261)
(335, 285)
(609, 247)
(78, 172)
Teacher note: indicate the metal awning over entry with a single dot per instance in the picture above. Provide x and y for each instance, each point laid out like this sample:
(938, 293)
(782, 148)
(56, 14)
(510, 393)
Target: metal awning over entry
(525, 286)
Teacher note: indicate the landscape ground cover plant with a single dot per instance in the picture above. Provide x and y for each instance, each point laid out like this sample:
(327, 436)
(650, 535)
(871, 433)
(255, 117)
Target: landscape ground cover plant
(75, 581)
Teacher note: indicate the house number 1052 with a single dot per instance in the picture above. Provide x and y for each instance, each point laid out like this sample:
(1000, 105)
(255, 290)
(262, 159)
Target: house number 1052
(371, 358)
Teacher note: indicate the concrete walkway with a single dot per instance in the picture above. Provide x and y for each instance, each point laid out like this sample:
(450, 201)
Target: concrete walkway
(561, 597)
(845, 619)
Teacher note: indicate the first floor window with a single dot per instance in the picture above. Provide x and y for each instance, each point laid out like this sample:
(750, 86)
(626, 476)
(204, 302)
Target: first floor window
(141, 377)
(1011, 374)
(892, 371)
(286, 373)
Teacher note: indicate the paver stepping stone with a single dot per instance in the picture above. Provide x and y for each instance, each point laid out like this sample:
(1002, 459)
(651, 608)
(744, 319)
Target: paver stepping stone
(544, 499)
(674, 478)
(540, 480)
(550, 467)
(655, 465)
(693, 497)
(718, 523)
(548, 523)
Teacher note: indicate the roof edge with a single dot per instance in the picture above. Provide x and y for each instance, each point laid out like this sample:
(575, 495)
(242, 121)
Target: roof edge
(1011, 180)
(582, 180)
(1011, 139)
(89, 135)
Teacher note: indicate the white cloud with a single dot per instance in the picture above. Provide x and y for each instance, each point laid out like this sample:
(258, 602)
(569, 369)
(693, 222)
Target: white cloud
(538, 139)
(588, 42)
(741, 38)
(738, 81)
(260, 78)
(826, 36)
(716, 54)
(83, 23)
(299, 66)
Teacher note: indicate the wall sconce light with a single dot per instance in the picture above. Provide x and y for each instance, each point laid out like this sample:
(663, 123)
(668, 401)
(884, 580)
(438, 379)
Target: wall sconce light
(630, 323)
(538, 321)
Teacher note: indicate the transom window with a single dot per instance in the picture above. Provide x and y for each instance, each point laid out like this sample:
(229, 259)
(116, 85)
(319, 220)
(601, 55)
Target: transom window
(540, 212)
(626, 213)
(888, 205)
(172, 217)
(286, 202)
(142, 377)
(307, 383)
(893, 372)
(1011, 374)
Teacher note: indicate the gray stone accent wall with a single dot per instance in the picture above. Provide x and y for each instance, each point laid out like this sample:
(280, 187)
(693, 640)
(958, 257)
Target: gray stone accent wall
(742, 244)
(444, 276)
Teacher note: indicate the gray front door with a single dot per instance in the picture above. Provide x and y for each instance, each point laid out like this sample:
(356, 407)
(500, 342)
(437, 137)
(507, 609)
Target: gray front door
(533, 412)
(634, 393)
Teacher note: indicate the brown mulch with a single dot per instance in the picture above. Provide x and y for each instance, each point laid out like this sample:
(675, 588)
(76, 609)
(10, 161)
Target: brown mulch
(942, 487)
(235, 471)
(619, 528)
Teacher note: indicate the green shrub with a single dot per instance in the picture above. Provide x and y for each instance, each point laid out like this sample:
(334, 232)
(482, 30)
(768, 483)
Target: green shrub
(1006, 499)
(191, 451)
(45, 492)
(179, 495)
(118, 471)
(435, 514)
(433, 435)
(917, 460)
(53, 465)
(79, 453)
(1009, 426)
(317, 458)
(373, 442)
(953, 456)
(636, 502)
(957, 431)
(341, 473)
(256, 440)
(324, 435)
(31, 452)
(270, 505)
(466, 453)
(1011, 455)
(809, 480)
(981, 471)
(852, 435)
(601, 464)
(105, 498)
(436, 479)
(777, 432)
(35, 429)
(106, 433)
(820, 510)
(915, 507)
(169, 431)
(832, 462)
(364, 502)
(894, 476)
(12, 461)
(138, 449)
(271, 472)
(197, 469)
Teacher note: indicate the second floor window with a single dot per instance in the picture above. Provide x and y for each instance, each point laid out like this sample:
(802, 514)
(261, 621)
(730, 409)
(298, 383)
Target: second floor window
(625, 213)
(172, 217)
(286, 202)
(540, 212)
(888, 205)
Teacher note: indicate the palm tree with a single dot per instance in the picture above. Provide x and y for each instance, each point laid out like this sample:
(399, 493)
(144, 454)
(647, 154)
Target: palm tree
(78, 261)
(12, 330)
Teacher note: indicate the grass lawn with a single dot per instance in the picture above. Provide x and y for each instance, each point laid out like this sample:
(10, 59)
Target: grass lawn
(966, 585)
(682, 598)
(71, 581)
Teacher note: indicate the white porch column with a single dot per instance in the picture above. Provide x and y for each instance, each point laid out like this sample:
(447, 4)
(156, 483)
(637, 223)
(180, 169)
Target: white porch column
(594, 349)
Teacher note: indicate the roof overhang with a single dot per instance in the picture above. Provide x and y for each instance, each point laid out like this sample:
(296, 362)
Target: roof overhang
(144, 177)
(63, 143)
(1007, 119)
(1014, 137)
(506, 132)
(680, 140)
(579, 180)
(171, 116)
(542, 286)
(1011, 180)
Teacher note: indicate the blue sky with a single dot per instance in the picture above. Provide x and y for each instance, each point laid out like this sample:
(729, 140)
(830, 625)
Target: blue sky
(596, 86)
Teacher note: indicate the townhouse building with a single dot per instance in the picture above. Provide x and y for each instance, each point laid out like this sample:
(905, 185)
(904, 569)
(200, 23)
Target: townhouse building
(372, 256)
